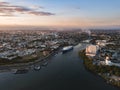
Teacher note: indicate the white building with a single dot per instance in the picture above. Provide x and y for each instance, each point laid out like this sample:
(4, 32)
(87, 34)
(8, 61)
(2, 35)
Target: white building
(101, 42)
(108, 62)
(92, 50)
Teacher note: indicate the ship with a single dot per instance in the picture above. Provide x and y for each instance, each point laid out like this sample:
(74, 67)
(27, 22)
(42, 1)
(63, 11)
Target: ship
(67, 48)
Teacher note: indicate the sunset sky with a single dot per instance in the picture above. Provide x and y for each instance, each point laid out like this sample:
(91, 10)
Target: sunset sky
(62, 13)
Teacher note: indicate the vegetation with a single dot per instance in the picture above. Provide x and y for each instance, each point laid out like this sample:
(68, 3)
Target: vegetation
(102, 70)
(24, 59)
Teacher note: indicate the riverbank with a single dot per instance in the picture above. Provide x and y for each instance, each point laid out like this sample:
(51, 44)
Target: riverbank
(27, 63)
(31, 59)
(106, 72)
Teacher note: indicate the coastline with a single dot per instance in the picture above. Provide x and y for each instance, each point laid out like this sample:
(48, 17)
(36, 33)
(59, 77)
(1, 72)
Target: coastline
(34, 61)
(28, 63)
(8, 66)
(90, 67)
(25, 64)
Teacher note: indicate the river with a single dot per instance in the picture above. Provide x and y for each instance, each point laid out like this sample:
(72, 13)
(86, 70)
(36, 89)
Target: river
(63, 72)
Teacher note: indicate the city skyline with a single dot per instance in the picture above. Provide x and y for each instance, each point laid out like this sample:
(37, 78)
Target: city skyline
(60, 13)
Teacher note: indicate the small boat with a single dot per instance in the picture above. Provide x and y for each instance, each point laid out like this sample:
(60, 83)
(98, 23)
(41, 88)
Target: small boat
(37, 67)
(67, 48)
(21, 71)
(44, 64)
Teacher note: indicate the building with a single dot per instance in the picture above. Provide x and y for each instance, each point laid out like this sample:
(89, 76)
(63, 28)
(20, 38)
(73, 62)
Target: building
(108, 62)
(92, 50)
(101, 42)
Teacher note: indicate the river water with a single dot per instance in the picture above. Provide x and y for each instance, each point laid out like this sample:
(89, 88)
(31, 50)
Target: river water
(63, 72)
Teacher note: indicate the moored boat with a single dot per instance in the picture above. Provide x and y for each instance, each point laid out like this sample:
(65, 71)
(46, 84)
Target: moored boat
(37, 67)
(67, 48)
(21, 71)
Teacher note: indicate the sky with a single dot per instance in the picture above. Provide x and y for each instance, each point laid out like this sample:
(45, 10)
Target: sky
(60, 13)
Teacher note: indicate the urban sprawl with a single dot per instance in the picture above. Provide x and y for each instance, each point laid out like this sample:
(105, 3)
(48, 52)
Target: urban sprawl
(102, 51)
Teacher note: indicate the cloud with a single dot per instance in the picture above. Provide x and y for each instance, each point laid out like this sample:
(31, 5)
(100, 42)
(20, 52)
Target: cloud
(35, 7)
(7, 9)
(40, 13)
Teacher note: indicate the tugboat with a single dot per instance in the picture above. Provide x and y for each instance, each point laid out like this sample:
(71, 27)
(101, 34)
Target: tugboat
(67, 48)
